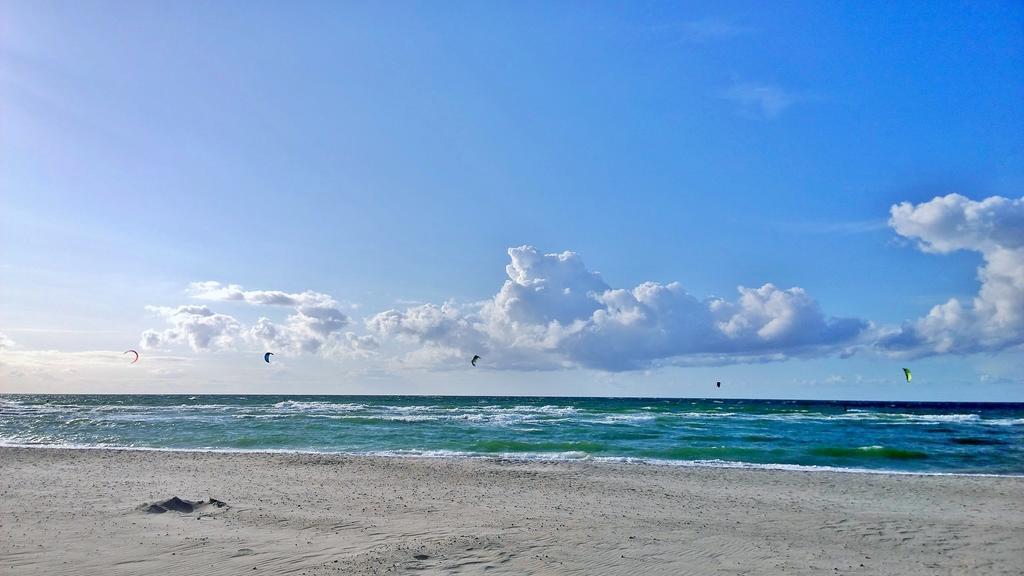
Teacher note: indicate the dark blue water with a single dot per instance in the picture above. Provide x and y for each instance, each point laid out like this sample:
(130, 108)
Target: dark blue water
(891, 436)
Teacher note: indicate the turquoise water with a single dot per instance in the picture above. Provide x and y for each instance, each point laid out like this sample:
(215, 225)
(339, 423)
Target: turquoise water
(904, 437)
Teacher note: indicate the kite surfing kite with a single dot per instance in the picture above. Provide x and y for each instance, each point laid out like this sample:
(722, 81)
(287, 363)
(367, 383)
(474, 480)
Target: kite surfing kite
(266, 357)
(136, 355)
(718, 384)
(906, 372)
(475, 358)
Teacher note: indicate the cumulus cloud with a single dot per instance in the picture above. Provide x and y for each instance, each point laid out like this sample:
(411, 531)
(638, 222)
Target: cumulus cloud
(352, 344)
(5, 342)
(446, 324)
(307, 330)
(197, 326)
(211, 290)
(552, 311)
(994, 319)
(316, 325)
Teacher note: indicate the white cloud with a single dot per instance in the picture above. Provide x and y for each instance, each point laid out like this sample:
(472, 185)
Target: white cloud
(5, 342)
(552, 311)
(212, 290)
(315, 326)
(759, 100)
(352, 344)
(445, 324)
(197, 326)
(308, 330)
(994, 319)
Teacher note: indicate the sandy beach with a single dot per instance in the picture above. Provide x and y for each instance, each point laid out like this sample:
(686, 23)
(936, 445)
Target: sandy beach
(82, 512)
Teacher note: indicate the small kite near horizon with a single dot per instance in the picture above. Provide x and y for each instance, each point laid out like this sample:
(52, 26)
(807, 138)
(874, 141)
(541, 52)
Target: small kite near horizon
(266, 357)
(475, 358)
(906, 372)
(132, 352)
(718, 384)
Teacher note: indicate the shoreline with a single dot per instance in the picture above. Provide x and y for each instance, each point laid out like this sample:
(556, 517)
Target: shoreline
(526, 458)
(318, 514)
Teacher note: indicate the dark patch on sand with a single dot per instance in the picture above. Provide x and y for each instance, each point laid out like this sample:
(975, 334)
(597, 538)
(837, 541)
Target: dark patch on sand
(178, 505)
(181, 505)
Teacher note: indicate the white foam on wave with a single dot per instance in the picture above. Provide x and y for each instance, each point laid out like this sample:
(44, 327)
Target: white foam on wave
(490, 415)
(859, 415)
(518, 456)
(941, 417)
(412, 409)
(410, 418)
(706, 414)
(260, 416)
(1005, 421)
(301, 406)
(621, 419)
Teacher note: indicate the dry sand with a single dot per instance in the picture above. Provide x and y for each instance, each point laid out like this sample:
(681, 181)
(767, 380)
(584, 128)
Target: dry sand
(81, 512)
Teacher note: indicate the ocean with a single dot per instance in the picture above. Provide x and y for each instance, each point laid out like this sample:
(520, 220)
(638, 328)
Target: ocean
(961, 438)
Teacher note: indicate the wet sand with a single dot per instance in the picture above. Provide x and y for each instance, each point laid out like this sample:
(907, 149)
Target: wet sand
(83, 512)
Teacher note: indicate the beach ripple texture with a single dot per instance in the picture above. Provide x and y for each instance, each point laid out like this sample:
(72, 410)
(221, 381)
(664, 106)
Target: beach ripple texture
(954, 438)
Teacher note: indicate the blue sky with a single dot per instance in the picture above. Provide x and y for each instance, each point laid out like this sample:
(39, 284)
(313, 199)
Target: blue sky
(388, 156)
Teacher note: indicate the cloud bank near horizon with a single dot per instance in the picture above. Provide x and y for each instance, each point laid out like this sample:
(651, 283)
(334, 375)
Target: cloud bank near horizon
(316, 325)
(553, 312)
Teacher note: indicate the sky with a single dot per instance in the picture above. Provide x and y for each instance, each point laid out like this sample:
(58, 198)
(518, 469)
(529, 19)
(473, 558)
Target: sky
(614, 199)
